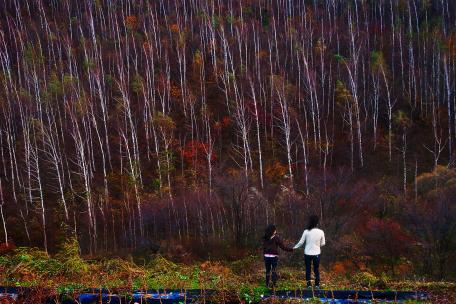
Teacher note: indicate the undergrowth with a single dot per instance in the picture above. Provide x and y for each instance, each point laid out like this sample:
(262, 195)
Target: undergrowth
(68, 273)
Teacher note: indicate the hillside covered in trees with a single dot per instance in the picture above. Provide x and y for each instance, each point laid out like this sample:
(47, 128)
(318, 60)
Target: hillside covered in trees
(187, 126)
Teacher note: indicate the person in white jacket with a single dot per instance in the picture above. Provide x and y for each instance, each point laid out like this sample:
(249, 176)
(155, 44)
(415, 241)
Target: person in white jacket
(314, 239)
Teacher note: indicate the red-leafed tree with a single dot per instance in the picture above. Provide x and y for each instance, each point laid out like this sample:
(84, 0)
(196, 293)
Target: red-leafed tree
(385, 242)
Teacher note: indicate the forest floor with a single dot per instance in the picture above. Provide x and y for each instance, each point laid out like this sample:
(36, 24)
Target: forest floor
(68, 273)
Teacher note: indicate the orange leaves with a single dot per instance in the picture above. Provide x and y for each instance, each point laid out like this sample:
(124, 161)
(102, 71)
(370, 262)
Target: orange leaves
(225, 122)
(175, 91)
(131, 22)
(174, 28)
(275, 172)
(339, 268)
(263, 54)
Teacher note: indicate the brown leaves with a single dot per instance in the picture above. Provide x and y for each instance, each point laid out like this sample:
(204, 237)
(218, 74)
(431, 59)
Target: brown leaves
(215, 267)
(451, 44)
(275, 172)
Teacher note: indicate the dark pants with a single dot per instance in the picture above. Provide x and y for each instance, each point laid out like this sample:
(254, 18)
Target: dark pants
(271, 269)
(315, 259)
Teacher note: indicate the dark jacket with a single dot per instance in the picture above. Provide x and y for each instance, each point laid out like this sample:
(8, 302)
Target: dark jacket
(272, 245)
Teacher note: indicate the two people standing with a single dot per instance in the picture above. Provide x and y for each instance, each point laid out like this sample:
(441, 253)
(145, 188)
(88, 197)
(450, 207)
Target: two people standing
(313, 238)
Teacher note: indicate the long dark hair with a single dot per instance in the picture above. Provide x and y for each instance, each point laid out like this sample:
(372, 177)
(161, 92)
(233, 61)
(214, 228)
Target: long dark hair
(269, 232)
(313, 222)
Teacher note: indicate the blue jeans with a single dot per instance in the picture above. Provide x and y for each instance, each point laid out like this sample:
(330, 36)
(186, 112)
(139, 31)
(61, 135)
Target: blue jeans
(271, 269)
(315, 259)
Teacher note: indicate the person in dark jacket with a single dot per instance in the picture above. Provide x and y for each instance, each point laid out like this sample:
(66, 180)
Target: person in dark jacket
(271, 244)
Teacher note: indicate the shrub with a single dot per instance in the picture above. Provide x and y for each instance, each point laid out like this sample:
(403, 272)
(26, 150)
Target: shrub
(70, 258)
(365, 279)
(31, 263)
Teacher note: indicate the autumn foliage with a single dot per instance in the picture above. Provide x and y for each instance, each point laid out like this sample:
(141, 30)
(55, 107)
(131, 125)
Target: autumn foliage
(134, 123)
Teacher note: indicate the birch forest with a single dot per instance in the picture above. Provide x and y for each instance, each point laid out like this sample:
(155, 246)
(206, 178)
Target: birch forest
(189, 125)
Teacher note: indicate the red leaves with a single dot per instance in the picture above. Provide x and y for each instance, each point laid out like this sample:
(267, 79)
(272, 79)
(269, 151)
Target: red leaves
(386, 230)
(6, 247)
(226, 121)
(388, 227)
(195, 150)
(386, 242)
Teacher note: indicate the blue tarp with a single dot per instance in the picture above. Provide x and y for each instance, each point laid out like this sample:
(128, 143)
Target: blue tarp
(98, 296)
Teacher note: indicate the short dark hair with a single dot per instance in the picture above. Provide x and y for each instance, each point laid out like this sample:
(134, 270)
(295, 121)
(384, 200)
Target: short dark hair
(313, 221)
(269, 232)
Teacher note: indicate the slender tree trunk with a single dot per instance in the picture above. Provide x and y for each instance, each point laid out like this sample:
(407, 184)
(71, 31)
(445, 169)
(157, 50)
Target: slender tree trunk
(2, 202)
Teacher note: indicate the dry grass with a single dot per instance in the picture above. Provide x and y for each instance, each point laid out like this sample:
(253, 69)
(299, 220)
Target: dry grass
(67, 273)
